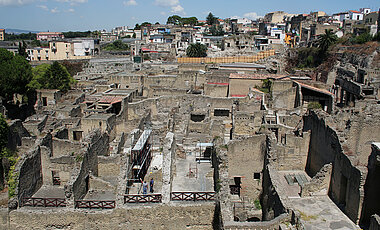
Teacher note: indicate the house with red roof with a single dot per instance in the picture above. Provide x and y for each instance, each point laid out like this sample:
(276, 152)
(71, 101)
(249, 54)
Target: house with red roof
(355, 15)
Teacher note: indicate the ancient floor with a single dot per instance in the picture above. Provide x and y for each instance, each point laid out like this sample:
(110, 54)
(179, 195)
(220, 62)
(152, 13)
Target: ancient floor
(319, 212)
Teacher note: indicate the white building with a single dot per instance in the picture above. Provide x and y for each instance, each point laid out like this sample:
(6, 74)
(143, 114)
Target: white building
(355, 15)
(83, 47)
(365, 10)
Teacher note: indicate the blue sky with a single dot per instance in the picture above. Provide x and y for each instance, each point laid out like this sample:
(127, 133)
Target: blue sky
(81, 15)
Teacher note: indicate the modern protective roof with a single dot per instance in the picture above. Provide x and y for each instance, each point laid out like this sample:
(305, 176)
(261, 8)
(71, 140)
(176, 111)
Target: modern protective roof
(142, 140)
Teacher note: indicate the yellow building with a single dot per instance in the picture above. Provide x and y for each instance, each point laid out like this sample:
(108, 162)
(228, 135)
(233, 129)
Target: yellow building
(2, 34)
(57, 50)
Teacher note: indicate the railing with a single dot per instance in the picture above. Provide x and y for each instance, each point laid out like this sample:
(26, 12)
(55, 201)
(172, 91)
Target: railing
(43, 202)
(193, 196)
(149, 198)
(95, 204)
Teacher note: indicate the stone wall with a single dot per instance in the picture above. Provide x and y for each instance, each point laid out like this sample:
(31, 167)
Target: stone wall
(29, 174)
(293, 155)
(372, 187)
(77, 187)
(272, 204)
(16, 132)
(347, 181)
(324, 143)
(215, 90)
(375, 223)
(65, 148)
(108, 166)
(153, 217)
(246, 157)
(267, 225)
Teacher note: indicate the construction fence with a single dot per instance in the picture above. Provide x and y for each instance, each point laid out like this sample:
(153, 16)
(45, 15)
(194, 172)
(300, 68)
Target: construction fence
(219, 60)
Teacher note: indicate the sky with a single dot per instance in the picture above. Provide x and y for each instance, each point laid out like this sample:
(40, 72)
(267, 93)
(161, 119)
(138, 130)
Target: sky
(83, 15)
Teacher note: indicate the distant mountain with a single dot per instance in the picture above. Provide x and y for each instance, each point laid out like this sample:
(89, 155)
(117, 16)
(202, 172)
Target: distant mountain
(17, 31)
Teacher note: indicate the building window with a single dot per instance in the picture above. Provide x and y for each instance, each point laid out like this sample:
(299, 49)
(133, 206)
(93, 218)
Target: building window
(256, 176)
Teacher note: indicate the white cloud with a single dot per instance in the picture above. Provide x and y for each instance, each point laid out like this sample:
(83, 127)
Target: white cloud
(130, 3)
(14, 2)
(54, 10)
(43, 7)
(178, 9)
(71, 10)
(166, 3)
(163, 13)
(252, 16)
(174, 5)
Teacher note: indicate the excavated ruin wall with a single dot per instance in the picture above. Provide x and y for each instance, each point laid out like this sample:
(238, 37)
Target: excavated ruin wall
(324, 143)
(347, 182)
(197, 216)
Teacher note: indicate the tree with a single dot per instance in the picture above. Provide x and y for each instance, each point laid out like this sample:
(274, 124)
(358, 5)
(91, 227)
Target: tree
(53, 76)
(175, 20)
(137, 27)
(326, 40)
(196, 50)
(211, 20)
(190, 21)
(22, 49)
(39, 81)
(58, 77)
(216, 30)
(15, 74)
(134, 35)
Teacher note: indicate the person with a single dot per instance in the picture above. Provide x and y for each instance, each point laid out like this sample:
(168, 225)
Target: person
(151, 185)
(145, 187)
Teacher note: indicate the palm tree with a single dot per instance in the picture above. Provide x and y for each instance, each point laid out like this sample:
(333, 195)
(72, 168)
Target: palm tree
(326, 40)
(196, 50)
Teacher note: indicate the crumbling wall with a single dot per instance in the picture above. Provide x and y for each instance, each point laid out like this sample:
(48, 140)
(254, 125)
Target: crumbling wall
(283, 94)
(65, 148)
(375, 223)
(29, 174)
(293, 155)
(324, 143)
(347, 181)
(16, 132)
(372, 187)
(215, 90)
(246, 157)
(272, 205)
(319, 184)
(77, 187)
(247, 123)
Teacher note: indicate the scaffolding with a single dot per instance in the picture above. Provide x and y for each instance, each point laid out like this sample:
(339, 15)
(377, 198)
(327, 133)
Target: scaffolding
(140, 159)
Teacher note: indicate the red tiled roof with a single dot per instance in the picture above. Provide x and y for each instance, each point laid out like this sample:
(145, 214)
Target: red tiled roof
(238, 95)
(355, 11)
(255, 76)
(110, 100)
(315, 88)
(256, 90)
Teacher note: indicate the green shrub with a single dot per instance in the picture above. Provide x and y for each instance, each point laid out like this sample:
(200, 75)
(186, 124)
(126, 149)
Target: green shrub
(257, 204)
(314, 105)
